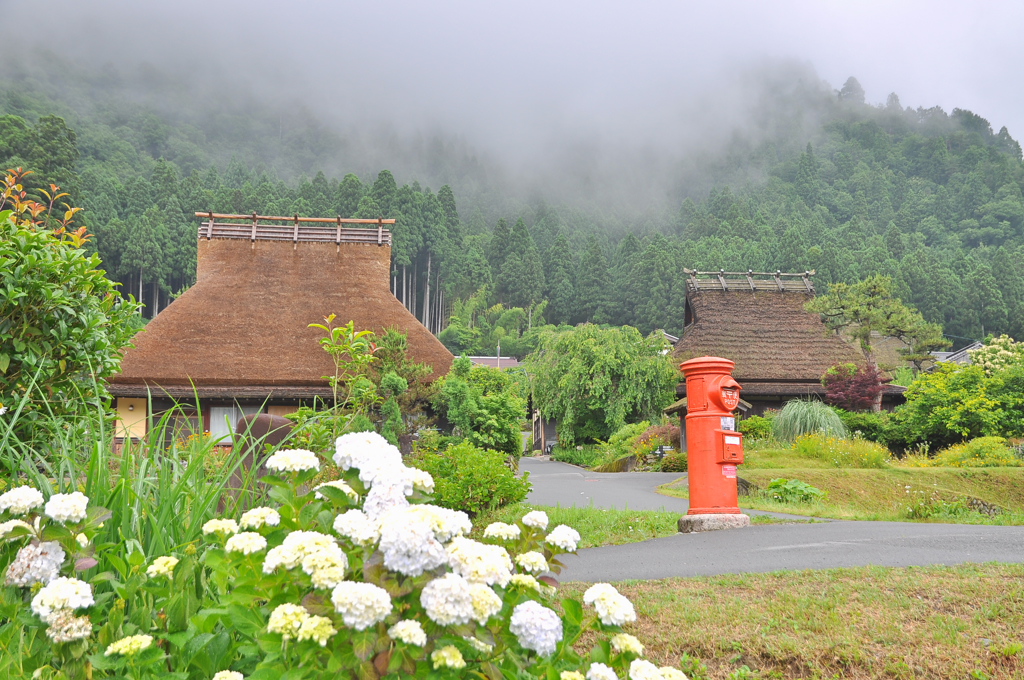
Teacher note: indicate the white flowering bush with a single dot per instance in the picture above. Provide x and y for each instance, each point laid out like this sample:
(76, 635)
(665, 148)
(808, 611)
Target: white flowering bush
(359, 578)
(998, 354)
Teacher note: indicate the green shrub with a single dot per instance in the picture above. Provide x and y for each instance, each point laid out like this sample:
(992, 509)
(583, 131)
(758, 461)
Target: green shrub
(673, 462)
(471, 479)
(483, 406)
(586, 456)
(865, 424)
(756, 427)
(792, 491)
(842, 453)
(980, 452)
(800, 417)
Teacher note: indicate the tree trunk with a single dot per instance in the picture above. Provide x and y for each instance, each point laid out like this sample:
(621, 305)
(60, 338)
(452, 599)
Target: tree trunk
(869, 357)
(405, 288)
(140, 288)
(414, 283)
(426, 296)
(156, 298)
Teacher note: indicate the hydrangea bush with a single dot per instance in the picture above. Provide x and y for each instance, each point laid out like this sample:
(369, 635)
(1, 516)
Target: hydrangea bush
(360, 577)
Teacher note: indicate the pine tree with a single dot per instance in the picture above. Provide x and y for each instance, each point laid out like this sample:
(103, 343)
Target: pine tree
(350, 190)
(593, 303)
(561, 290)
(501, 244)
(383, 191)
(522, 273)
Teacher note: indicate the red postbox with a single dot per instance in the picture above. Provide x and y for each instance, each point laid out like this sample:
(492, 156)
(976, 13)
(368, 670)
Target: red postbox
(713, 446)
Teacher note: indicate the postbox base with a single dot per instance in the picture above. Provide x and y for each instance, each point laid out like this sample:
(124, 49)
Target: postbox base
(689, 524)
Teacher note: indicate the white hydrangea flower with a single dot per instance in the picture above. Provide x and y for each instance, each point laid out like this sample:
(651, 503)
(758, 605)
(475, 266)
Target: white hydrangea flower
(409, 541)
(536, 627)
(389, 488)
(479, 645)
(360, 449)
(247, 543)
(571, 675)
(408, 631)
(479, 562)
(448, 600)
(316, 628)
(502, 531)
(613, 608)
(624, 643)
(295, 548)
(67, 507)
(64, 626)
(82, 540)
(228, 675)
(486, 602)
(293, 460)
(162, 566)
(422, 481)
(62, 593)
(448, 657)
(357, 527)
(361, 605)
(326, 566)
(446, 524)
(217, 526)
(524, 581)
(536, 519)
(639, 669)
(258, 517)
(564, 537)
(669, 673)
(286, 620)
(532, 562)
(35, 563)
(599, 671)
(20, 500)
(9, 526)
(340, 485)
(129, 646)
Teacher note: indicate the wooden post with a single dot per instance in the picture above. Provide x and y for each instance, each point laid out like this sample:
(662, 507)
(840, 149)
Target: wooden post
(337, 237)
(254, 231)
(380, 231)
(209, 228)
(295, 237)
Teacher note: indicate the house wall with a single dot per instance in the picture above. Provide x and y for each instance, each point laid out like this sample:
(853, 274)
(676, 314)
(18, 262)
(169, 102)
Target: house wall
(131, 418)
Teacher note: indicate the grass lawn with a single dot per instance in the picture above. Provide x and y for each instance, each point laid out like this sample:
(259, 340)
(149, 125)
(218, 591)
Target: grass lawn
(930, 622)
(596, 526)
(883, 494)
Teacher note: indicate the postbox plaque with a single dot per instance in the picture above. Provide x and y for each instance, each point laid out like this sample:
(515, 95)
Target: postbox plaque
(730, 397)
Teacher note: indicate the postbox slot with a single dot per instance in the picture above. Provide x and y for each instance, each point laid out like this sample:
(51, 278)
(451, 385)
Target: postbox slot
(728, 447)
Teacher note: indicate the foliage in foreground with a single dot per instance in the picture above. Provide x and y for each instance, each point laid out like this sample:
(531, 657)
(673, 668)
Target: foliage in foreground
(484, 405)
(62, 322)
(595, 380)
(275, 594)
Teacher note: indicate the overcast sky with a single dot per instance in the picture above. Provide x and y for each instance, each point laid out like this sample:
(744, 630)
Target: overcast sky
(514, 77)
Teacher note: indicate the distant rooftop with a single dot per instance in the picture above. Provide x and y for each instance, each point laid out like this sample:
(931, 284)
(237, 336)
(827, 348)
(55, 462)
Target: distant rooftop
(295, 229)
(495, 362)
(749, 280)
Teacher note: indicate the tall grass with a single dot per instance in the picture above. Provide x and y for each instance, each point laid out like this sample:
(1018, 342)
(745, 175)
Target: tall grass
(799, 417)
(159, 491)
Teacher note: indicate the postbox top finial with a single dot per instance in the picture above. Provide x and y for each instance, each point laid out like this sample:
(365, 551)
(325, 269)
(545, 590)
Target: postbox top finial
(712, 365)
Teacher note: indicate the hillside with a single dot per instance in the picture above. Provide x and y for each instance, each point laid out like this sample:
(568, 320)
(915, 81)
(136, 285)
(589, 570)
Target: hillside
(933, 199)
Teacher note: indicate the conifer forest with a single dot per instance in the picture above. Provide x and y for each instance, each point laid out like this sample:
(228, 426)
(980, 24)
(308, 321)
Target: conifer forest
(930, 197)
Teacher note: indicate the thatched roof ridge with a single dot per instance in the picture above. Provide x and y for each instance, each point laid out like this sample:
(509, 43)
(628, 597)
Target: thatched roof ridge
(766, 333)
(244, 324)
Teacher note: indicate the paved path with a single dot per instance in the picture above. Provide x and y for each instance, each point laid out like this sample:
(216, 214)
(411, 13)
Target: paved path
(759, 548)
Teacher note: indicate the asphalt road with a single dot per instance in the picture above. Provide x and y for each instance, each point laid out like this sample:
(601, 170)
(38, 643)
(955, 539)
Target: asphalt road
(759, 548)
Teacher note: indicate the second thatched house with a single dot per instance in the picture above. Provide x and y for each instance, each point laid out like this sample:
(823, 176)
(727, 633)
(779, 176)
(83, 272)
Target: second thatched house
(758, 321)
(239, 339)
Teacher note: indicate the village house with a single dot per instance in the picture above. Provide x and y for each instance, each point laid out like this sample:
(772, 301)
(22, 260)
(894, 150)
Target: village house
(758, 321)
(238, 342)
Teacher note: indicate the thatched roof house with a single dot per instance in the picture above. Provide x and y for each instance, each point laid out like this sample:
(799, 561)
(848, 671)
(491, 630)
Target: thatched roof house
(758, 321)
(239, 337)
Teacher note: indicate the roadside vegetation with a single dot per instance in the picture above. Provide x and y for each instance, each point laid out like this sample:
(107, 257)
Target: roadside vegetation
(872, 622)
(597, 526)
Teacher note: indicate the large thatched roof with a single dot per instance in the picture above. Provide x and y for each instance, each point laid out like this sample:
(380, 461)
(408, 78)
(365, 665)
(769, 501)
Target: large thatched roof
(242, 329)
(765, 332)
